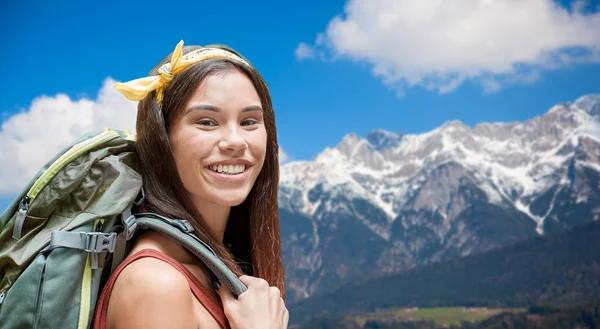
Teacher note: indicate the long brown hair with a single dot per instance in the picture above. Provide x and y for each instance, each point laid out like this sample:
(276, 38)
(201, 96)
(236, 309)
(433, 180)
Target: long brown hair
(252, 230)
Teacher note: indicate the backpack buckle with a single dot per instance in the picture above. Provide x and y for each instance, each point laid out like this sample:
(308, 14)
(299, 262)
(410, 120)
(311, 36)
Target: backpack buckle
(129, 226)
(97, 242)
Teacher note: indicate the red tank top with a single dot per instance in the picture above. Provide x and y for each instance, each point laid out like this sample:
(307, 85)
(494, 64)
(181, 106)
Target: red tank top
(202, 294)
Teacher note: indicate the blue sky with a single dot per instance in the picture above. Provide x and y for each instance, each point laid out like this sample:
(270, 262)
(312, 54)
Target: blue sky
(71, 47)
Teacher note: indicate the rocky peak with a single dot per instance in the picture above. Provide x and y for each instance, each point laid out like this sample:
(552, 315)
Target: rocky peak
(381, 139)
(590, 104)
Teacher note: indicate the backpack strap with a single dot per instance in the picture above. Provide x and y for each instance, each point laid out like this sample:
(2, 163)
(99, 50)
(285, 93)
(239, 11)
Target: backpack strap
(182, 232)
(129, 227)
(178, 229)
(92, 242)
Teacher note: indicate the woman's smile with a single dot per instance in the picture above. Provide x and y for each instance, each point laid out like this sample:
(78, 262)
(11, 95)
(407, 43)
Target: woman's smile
(229, 173)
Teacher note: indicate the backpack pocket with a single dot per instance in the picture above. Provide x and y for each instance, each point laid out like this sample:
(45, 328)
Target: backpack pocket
(39, 297)
(20, 303)
(58, 289)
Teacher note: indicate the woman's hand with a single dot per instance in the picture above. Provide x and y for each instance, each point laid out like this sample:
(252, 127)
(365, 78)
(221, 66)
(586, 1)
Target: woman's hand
(259, 307)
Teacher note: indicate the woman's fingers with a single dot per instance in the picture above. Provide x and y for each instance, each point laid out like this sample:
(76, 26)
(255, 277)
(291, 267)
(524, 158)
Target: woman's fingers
(260, 306)
(226, 296)
(253, 282)
(274, 292)
(286, 318)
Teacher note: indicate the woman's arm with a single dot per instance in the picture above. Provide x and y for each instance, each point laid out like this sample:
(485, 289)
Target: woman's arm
(150, 293)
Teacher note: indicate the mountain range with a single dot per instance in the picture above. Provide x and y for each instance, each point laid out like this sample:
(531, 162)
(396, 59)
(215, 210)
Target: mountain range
(560, 268)
(388, 202)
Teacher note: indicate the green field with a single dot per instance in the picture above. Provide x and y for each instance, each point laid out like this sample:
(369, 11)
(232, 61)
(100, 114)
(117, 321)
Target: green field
(445, 315)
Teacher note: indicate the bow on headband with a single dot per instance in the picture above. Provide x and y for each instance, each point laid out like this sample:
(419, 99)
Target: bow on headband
(138, 89)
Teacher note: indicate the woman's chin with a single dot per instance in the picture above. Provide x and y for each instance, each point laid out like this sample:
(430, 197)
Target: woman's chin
(230, 199)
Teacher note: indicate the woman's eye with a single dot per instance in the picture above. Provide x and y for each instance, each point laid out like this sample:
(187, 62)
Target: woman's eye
(249, 122)
(208, 123)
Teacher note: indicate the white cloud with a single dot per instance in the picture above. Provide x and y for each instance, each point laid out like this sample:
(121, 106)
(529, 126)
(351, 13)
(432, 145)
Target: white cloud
(31, 138)
(440, 44)
(304, 51)
(283, 157)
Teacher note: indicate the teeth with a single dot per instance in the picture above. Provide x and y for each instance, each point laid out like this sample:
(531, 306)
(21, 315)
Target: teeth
(228, 169)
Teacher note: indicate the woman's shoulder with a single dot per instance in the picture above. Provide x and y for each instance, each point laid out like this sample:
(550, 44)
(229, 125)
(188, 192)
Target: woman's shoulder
(151, 293)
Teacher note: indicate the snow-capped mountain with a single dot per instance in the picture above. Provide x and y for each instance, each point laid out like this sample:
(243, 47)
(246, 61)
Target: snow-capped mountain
(388, 201)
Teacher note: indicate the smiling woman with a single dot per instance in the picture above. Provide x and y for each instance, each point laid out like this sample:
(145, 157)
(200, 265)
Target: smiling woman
(223, 128)
(207, 142)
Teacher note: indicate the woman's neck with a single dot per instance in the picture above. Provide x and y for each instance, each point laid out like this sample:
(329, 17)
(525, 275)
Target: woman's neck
(214, 215)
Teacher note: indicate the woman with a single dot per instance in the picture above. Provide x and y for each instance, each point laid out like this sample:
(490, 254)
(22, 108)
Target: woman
(207, 142)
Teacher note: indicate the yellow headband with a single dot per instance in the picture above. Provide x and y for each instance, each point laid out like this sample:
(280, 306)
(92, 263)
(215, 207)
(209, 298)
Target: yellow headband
(138, 89)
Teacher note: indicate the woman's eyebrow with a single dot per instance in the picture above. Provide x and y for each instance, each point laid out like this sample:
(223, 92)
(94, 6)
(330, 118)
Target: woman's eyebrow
(213, 108)
(252, 108)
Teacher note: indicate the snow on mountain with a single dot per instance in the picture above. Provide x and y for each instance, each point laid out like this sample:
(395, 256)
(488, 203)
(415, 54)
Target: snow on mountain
(510, 161)
(388, 201)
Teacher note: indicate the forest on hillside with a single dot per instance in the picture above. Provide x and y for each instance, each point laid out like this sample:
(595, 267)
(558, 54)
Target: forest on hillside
(585, 316)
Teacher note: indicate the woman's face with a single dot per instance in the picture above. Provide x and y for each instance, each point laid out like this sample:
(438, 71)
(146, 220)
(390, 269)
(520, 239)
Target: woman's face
(220, 140)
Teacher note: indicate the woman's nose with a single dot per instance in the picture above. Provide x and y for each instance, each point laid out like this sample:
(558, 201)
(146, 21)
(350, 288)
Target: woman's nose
(233, 142)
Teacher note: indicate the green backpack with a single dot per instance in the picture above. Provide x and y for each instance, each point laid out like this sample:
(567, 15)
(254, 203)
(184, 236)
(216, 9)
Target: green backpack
(69, 229)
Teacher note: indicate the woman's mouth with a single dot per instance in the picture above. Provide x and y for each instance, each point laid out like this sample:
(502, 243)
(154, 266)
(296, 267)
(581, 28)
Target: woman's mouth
(229, 173)
(228, 169)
